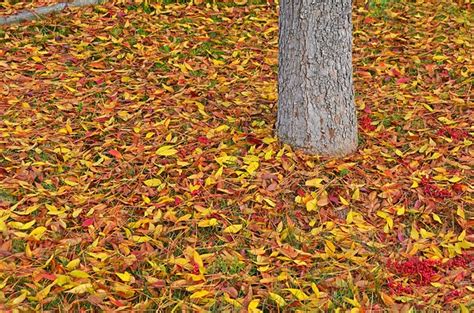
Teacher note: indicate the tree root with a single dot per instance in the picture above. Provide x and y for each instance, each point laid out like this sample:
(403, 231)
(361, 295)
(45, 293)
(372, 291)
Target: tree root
(28, 15)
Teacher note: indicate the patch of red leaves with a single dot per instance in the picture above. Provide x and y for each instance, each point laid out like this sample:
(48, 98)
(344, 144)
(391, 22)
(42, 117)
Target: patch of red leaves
(423, 272)
(453, 133)
(432, 190)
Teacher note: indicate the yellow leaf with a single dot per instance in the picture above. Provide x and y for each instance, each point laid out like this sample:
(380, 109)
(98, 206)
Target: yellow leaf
(437, 285)
(277, 298)
(81, 289)
(62, 280)
(79, 274)
(38, 232)
(414, 234)
(228, 299)
(300, 295)
(37, 59)
(233, 229)
(166, 151)
(240, 2)
(21, 226)
(269, 140)
(208, 223)
(330, 246)
(125, 276)
(315, 182)
(154, 182)
(463, 308)
(436, 218)
(315, 289)
(426, 234)
(462, 235)
(356, 194)
(72, 264)
(269, 202)
(400, 210)
(455, 179)
(70, 182)
(101, 255)
(44, 293)
(166, 87)
(353, 302)
(253, 306)
(350, 217)
(4, 283)
(199, 294)
(252, 167)
(440, 57)
(312, 205)
(460, 213)
(343, 201)
(19, 299)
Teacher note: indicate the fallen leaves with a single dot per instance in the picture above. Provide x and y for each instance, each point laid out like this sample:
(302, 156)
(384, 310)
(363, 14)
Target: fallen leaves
(139, 170)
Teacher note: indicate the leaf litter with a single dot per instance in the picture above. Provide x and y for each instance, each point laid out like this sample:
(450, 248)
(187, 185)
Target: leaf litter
(139, 170)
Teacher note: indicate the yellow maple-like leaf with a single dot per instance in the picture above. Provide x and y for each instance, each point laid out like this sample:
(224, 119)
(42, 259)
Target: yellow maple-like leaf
(233, 229)
(154, 182)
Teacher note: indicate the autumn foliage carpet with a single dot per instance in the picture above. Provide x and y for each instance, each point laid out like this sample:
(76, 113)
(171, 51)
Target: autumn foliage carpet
(139, 172)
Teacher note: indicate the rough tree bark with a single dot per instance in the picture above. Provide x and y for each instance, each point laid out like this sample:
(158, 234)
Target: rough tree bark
(316, 110)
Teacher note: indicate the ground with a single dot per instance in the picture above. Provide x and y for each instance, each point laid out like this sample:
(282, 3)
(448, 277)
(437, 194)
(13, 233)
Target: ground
(139, 169)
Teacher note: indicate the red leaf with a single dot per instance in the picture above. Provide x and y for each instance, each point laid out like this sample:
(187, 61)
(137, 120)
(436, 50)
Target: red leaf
(87, 222)
(203, 140)
(115, 153)
(403, 80)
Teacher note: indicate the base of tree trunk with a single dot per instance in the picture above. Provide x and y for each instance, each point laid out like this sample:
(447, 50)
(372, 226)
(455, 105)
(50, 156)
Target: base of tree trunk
(39, 12)
(316, 108)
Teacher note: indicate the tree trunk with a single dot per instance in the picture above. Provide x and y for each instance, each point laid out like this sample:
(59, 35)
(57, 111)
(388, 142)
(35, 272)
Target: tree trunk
(316, 110)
